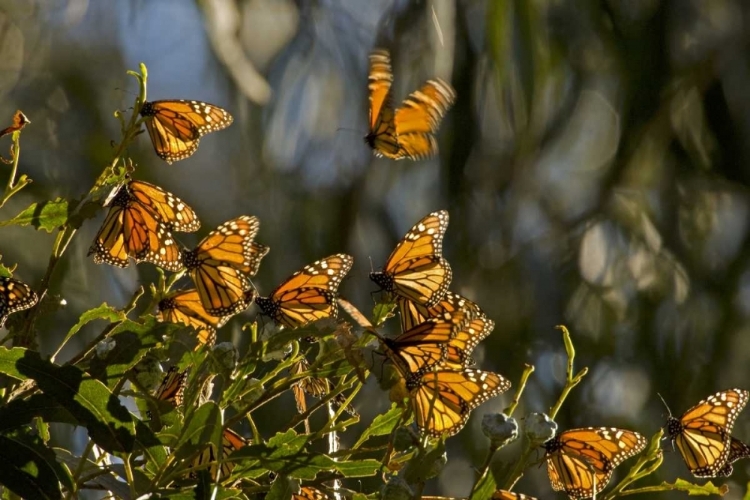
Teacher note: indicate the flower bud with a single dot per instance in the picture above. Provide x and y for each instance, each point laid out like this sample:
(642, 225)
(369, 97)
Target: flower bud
(499, 428)
(539, 427)
(396, 489)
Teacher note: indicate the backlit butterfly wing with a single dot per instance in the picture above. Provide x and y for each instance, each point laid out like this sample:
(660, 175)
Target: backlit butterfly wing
(416, 269)
(230, 442)
(167, 207)
(703, 433)
(382, 135)
(316, 387)
(134, 230)
(509, 495)
(15, 296)
(185, 307)
(737, 451)
(175, 126)
(580, 462)
(172, 387)
(309, 493)
(308, 295)
(221, 263)
(442, 400)
(413, 313)
(419, 118)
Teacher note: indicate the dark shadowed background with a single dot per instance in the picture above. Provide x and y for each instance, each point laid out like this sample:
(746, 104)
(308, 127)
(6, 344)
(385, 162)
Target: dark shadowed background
(594, 166)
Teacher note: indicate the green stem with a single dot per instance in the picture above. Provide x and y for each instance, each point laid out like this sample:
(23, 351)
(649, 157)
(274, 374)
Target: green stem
(484, 469)
(527, 371)
(570, 380)
(81, 466)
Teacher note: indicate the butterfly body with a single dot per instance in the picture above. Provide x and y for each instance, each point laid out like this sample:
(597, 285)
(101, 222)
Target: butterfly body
(176, 126)
(15, 296)
(409, 131)
(703, 434)
(580, 462)
(309, 294)
(416, 269)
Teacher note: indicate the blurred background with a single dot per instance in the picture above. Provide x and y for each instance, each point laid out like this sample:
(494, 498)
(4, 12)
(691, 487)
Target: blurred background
(595, 167)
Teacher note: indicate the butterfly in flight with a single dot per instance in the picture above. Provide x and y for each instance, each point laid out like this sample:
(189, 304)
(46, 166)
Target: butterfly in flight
(307, 295)
(416, 269)
(185, 307)
(509, 495)
(221, 264)
(230, 442)
(139, 224)
(580, 462)
(703, 434)
(409, 131)
(443, 399)
(176, 126)
(15, 296)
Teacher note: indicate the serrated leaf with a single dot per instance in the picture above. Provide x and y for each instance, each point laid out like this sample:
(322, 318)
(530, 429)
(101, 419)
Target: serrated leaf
(47, 215)
(694, 489)
(382, 424)
(202, 426)
(281, 489)
(104, 311)
(29, 469)
(382, 312)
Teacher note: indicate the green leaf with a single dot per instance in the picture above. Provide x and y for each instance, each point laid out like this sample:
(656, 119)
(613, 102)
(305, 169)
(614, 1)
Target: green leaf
(21, 412)
(89, 401)
(425, 465)
(695, 489)
(382, 424)
(485, 488)
(202, 427)
(281, 489)
(8, 361)
(382, 312)
(104, 311)
(47, 215)
(29, 469)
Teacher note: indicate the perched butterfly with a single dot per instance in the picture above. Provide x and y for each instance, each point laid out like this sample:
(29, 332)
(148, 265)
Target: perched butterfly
(737, 450)
(172, 387)
(176, 126)
(221, 263)
(413, 314)
(139, 224)
(407, 132)
(230, 442)
(185, 307)
(317, 387)
(703, 433)
(416, 269)
(581, 461)
(442, 400)
(309, 493)
(308, 295)
(15, 296)
(509, 495)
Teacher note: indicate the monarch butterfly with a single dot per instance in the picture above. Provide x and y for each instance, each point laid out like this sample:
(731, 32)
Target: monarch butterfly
(581, 461)
(221, 263)
(317, 387)
(230, 442)
(185, 307)
(407, 132)
(176, 126)
(416, 269)
(509, 495)
(308, 295)
(309, 493)
(172, 387)
(413, 314)
(138, 225)
(442, 400)
(15, 296)
(737, 450)
(703, 433)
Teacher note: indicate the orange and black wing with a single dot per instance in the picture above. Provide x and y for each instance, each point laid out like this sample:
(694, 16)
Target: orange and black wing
(208, 458)
(308, 295)
(580, 462)
(416, 269)
(442, 400)
(382, 134)
(509, 495)
(15, 296)
(172, 387)
(221, 263)
(317, 387)
(175, 126)
(703, 433)
(419, 117)
(737, 451)
(309, 493)
(168, 208)
(413, 313)
(185, 307)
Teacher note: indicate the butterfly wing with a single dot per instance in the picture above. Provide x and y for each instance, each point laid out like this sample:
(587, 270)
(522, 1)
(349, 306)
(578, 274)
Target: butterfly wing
(167, 207)
(442, 400)
(308, 295)
(175, 126)
(421, 348)
(413, 313)
(220, 264)
(419, 118)
(737, 451)
(15, 296)
(581, 461)
(317, 387)
(186, 308)
(172, 387)
(703, 433)
(416, 269)
(509, 495)
(230, 442)
(309, 493)
(382, 135)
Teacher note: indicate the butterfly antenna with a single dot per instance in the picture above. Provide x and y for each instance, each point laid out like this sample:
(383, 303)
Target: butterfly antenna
(665, 404)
